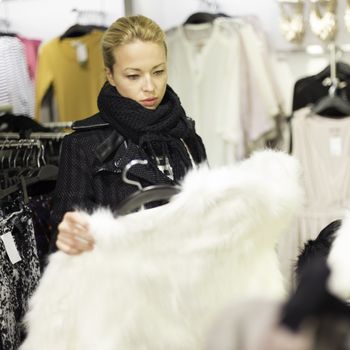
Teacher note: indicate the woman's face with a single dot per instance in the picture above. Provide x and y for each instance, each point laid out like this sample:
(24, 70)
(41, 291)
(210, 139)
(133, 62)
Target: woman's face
(140, 72)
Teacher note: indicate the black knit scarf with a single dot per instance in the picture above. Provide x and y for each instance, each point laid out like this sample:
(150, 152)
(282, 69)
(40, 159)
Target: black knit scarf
(158, 132)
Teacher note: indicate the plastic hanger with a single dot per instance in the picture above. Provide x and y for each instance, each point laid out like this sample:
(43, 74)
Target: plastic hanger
(200, 17)
(45, 173)
(332, 101)
(78, 29)
(144, 195)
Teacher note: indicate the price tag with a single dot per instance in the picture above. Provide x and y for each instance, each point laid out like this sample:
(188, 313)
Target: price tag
(10, 247)
(81, 52)
(335, 146)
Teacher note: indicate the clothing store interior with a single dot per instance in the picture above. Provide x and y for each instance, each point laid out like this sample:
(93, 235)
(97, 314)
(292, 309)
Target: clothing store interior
(264, 82)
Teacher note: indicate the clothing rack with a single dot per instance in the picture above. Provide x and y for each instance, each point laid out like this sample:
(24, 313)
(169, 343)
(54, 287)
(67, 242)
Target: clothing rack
(48, 143)
(27, 152)
(7, 144)
(61, 125)
(35, 135)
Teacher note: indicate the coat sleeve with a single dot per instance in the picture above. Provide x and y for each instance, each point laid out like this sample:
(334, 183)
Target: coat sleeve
(74, 188)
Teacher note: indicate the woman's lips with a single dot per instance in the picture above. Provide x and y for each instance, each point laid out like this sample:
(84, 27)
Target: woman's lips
(149, 102)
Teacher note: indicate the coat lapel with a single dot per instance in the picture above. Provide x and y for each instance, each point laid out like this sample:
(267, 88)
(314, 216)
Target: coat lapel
(123, 156)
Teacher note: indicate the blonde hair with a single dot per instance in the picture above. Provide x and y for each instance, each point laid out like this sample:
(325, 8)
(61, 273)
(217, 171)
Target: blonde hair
(126, 30)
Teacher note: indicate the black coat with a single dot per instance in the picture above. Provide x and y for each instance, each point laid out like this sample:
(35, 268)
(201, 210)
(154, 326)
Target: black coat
(92, 160)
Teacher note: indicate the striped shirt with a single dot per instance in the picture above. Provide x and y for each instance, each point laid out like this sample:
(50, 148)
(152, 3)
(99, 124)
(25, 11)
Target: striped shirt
(16, 88)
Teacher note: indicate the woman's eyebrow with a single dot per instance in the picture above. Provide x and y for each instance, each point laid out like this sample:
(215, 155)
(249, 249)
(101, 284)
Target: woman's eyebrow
(139, 70)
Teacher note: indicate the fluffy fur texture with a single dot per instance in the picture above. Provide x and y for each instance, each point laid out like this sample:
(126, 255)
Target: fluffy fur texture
(157, 279)
(339, 261)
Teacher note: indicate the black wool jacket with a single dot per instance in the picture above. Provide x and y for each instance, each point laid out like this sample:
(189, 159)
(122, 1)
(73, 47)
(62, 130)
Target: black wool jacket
(92, 160)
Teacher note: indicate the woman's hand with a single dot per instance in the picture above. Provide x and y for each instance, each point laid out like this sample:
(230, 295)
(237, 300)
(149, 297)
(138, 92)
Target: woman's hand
(73, 234)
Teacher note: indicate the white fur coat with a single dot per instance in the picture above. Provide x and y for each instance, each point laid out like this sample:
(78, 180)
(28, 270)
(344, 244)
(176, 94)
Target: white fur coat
(157, 279)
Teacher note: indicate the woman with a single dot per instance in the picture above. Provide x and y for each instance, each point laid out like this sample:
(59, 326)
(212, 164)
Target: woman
(140, 117)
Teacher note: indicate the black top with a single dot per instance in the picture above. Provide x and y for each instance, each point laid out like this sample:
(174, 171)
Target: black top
(309, 90)
(92, 160)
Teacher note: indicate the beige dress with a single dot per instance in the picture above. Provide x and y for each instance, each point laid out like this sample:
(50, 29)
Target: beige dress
(322, 145)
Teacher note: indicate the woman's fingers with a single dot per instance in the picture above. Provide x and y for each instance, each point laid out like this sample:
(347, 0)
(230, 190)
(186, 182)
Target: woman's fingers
(78, 220)
(75, 242)
(73, 234)
(66, 248)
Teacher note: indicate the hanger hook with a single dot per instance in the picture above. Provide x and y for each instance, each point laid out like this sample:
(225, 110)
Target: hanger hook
(127, 168)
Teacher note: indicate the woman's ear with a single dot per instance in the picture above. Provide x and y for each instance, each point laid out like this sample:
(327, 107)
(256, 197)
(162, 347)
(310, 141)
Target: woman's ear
(109, 75)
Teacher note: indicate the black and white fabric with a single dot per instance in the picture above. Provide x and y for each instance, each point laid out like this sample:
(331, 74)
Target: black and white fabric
(165, 167)
(16, 88)
(17, 280)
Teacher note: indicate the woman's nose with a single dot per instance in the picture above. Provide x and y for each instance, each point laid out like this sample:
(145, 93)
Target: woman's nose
(148, 84)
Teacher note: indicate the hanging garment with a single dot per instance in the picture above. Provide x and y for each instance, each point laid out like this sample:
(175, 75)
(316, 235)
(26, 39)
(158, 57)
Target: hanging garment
(16, 88)
(219, 71)
(19, 279)
(157, 278)
(74, 68)
(40, 206)
(322, 145)
(199, 63)
(31, 47)
(262, 85)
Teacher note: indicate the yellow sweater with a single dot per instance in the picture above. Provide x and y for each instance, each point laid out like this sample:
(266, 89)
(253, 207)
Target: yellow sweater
(75, 85)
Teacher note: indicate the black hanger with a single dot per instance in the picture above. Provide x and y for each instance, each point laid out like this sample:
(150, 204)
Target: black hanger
(341, 105)
(334, 105)
(44, 173)
(144, 195)
(200, 17)
(8, 34)
(147, 195)
(77, 30)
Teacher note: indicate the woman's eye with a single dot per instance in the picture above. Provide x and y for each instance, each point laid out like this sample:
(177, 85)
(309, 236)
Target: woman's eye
(159, 72)
(132, 76)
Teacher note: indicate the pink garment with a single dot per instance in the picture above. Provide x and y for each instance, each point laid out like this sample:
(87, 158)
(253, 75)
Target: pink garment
(31, 47)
